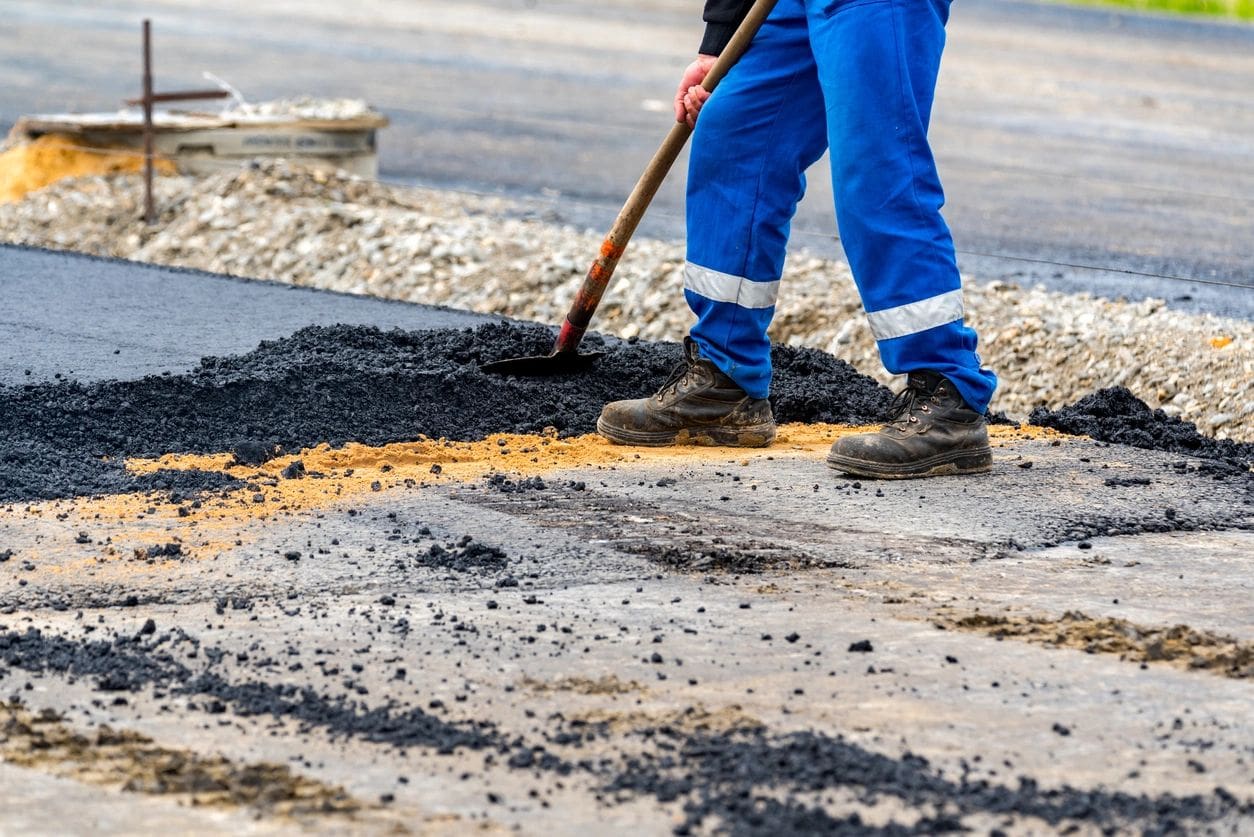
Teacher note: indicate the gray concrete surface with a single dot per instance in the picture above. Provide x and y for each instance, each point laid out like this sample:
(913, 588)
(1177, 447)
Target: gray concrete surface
(834, 565)
(1065, 134)
(36, 803)
(90, 319)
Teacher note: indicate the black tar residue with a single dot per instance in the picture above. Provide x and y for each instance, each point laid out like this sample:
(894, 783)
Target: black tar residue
(1116, 415)
(747, 781)
(751, 783)
(130, 664)
(354, 383)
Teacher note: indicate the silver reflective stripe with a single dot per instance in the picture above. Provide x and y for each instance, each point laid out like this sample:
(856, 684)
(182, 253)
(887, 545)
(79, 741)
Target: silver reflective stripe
(917, 316)
(723, 287)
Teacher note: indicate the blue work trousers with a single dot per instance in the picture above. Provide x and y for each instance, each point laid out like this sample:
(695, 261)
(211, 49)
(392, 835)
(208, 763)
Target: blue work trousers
(856, 78)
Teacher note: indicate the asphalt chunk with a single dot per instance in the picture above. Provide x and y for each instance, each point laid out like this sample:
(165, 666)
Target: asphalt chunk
(251, 452)
(465, 557)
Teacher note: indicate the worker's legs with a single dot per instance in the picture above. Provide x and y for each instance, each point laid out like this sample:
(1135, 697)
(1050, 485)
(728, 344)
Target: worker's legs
(878, 61)
(755, 137)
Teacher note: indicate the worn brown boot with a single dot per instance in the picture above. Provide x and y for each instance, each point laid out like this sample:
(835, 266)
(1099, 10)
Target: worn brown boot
(931, 432)
(698, 405)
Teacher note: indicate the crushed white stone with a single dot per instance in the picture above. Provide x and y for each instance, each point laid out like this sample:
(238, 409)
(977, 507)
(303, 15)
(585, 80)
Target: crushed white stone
(280, 222)
(301, 107)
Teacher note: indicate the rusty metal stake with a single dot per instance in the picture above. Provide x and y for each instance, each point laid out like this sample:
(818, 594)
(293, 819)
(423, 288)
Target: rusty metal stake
(148, 99)
(150, 211)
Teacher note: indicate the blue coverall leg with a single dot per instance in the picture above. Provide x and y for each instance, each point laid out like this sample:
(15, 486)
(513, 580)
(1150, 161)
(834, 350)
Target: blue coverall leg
(855, 77)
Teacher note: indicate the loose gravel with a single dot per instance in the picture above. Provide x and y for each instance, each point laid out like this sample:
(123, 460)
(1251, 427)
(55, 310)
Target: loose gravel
(279, 222)
(756, 784)
(130, 664)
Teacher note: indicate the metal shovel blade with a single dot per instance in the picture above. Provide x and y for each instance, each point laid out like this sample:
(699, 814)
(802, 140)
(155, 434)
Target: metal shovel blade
(558, 363)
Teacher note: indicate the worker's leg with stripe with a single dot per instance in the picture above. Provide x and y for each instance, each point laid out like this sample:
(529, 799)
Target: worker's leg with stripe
(878, 61)
(756, 136)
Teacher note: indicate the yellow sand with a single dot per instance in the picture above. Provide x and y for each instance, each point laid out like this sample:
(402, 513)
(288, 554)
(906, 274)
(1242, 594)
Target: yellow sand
(351, 475)
(354, 469)
(29, 166)
(357, 469)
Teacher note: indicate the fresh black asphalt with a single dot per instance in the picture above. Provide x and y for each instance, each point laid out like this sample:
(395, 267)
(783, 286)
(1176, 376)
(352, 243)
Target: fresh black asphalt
(90, 319)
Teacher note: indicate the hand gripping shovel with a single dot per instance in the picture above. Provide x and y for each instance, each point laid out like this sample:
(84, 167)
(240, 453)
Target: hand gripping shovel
(565, 357)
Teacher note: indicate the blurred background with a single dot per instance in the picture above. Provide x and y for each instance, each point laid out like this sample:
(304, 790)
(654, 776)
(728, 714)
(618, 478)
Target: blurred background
(1069, 136)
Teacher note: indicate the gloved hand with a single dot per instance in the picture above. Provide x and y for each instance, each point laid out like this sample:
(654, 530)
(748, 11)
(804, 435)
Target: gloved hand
(691, 95)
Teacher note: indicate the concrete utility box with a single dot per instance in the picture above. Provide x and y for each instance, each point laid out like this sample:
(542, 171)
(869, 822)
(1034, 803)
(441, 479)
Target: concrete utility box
(203, 143)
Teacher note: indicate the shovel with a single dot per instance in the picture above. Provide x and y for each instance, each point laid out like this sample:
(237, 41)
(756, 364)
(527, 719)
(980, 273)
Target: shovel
(565, 357)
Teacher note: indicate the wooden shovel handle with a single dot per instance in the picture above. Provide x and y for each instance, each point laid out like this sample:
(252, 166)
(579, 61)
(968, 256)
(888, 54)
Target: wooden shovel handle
(602, 270)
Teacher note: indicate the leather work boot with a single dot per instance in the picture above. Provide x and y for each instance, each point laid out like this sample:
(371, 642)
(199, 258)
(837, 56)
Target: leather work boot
(698, 405)
(931, 432)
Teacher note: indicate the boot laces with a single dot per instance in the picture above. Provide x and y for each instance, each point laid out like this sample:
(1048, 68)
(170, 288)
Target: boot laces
(901, 411)
(677, 376)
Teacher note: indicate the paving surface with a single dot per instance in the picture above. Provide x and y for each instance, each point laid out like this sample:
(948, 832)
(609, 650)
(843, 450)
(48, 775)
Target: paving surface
(77, 317)
(556, 634)
(1067, 134)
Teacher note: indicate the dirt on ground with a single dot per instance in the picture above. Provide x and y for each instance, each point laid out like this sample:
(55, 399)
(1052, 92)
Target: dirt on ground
(729, 773)
(137, 764)
(1178, 644)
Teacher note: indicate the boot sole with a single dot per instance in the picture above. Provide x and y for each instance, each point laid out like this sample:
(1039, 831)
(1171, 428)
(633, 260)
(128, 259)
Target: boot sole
(952, 463)
(754, 436)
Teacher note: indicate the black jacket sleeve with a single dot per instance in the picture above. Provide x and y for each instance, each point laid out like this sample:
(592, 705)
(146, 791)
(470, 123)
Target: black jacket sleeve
(721, 19)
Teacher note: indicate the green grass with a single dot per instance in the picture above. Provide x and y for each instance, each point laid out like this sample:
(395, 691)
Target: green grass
(1239, 9)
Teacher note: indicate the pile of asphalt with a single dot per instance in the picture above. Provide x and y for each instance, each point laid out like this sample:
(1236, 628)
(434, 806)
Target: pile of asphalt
(1116, 415)
(343, 384)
